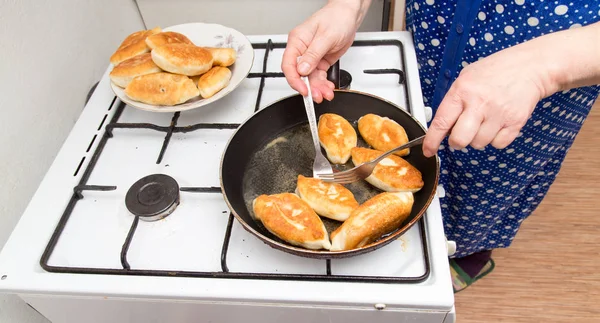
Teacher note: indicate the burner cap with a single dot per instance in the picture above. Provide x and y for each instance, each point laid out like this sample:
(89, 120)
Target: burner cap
(345, 80)
(153, 197)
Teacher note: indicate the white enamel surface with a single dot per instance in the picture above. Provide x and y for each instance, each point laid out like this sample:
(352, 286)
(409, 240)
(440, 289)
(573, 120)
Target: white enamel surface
(205, 35)
(191, 238)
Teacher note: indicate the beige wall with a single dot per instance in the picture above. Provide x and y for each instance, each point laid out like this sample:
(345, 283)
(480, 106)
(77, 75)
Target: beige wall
(52, 53)
(249, 17)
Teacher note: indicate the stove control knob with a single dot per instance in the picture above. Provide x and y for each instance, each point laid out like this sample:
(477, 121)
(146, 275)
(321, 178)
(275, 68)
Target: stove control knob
(441, 192)
(451, 245)
(380, 306)
(428, 114)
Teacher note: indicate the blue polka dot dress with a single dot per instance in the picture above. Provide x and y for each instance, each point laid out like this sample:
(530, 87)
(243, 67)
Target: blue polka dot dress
(489, 192)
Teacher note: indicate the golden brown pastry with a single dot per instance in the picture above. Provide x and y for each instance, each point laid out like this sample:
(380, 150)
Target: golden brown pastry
(213, 81)
(291, 219)
(180, 58)
(337, 136)
(222, 56)
(382, 214)
(330, 200)
(133, 45)
(166, 37)
(392, 174)
(161, 89)
(123, 73)
(383, 133)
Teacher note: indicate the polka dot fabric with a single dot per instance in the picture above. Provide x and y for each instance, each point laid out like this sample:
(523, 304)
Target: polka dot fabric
(489, 192)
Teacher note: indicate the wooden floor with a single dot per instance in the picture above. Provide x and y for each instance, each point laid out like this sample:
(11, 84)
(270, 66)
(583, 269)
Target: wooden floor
(551, 273)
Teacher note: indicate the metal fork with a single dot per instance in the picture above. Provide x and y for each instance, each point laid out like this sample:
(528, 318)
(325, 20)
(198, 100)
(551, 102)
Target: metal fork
(321, 165)
(363, 170)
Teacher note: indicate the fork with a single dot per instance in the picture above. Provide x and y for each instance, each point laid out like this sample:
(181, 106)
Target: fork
(363, 170)
(321, 165)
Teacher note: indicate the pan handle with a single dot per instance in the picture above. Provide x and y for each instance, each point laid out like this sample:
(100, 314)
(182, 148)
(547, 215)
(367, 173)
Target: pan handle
(333, 74)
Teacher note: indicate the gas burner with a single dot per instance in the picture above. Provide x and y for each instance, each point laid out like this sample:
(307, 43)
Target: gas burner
(153, 197)
(345, 80)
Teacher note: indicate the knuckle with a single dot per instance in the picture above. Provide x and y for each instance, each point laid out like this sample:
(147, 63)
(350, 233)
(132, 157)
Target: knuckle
(478, 144)
(295, 33)
(440, 123)
(463, 86)
(514, 118)
(500, 145)
(457, 142)
(312, 55)
(501, 142)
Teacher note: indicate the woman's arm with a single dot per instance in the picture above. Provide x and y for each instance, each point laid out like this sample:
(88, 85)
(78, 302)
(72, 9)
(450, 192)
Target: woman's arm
(321, 40)
(492, 99)
(576, 57)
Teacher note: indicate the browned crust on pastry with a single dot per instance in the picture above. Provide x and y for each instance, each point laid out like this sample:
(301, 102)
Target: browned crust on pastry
(161, 89)
(185, 59)
(133, 45)
(222, 56)
(166, 37)
(290, 218)
(138, 65)
(383, 133)
(392, 173)
(213, 81)
(330, 200)
(337, 136)
(382, 214)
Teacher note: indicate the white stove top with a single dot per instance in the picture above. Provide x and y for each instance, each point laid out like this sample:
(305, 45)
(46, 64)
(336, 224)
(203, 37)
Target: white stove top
(192, 238)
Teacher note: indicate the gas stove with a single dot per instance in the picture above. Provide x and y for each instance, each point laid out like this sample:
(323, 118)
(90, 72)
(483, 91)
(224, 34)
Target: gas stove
(86, 248)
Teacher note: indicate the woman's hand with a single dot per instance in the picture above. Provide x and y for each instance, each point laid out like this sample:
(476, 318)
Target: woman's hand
(489, 102)
(321, 40)
(492, 99)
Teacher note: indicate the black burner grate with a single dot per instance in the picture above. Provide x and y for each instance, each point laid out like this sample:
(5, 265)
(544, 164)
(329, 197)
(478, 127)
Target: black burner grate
(173, 128)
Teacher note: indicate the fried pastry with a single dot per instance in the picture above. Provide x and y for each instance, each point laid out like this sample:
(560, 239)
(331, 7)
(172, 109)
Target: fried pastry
(184, 59)
(124, 72)
(166, 37)
(213, 81)
(291, 219)
(380, 215)
(133, 45)
(330, 200)
(337, 136)
(222, 56)
(392, 174)
(383, 133)
(162, 89)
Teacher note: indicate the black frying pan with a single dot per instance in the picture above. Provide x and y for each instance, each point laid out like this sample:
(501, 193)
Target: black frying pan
(269, 150)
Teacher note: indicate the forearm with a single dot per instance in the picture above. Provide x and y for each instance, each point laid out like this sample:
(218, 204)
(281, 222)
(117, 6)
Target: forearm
(571, 57)
(360, 6)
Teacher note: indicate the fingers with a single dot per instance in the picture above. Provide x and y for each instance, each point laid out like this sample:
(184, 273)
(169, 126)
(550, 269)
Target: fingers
(465, 129)
(318, 80)
(293, 49)
(486, 133)
(312, 57)
(316, 94)
(505, 137)
(447, 114)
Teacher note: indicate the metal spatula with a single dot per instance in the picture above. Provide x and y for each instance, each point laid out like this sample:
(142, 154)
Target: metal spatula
(363, 170)
(321, 165)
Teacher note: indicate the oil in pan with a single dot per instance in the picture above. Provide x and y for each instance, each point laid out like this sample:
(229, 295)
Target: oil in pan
(275, 166)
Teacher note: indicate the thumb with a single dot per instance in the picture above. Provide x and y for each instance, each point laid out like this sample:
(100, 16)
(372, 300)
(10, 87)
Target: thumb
(318, 48)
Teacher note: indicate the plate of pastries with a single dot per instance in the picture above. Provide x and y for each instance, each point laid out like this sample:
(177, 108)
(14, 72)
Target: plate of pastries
(179, 68)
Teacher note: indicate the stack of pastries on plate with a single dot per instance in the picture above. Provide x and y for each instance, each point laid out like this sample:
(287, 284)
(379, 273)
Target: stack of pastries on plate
(166, 68)
(295, 217)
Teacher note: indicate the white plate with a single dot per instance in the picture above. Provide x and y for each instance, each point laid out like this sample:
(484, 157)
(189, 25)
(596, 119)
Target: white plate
(207, 35)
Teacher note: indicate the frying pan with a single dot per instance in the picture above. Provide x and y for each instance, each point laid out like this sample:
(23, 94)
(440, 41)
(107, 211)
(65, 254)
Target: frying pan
(268, 151)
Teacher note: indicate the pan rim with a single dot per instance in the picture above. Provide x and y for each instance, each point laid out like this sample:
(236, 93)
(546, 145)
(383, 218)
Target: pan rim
(327, 254)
